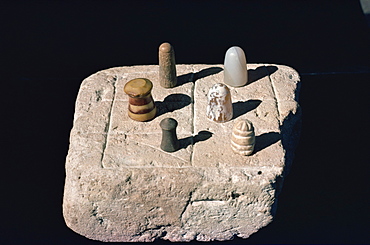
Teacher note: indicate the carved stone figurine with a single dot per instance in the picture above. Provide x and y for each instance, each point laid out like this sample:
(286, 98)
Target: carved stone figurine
(243, 138)
(141, 106)
(219, 106)
(167, 66)
(235, 67)
(169, 141)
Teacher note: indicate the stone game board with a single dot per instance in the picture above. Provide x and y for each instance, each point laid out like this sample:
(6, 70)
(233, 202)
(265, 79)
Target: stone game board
(120, 186)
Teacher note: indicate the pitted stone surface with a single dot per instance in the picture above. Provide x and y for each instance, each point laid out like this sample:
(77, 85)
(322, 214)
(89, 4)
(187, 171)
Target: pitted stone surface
(120, 186)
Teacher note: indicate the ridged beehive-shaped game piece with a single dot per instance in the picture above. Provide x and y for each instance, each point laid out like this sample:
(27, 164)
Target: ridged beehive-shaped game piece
(243, 138)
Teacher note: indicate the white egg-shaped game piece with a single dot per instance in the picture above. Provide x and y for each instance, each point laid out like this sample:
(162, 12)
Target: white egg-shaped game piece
(219, 106)
(243, 138)
(235, 67)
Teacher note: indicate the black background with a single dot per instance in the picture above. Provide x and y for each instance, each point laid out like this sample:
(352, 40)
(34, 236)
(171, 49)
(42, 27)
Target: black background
(48, 47)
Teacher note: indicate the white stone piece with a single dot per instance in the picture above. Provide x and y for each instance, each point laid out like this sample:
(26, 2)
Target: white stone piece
(122, 187)
(243, 138)
(219, 105)
(235, 73)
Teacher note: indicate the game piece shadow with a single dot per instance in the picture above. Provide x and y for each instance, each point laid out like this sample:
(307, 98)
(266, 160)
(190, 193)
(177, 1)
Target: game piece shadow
(192, 77)
(192, 140)
(265, 140)
(253, 74)
(171, 103)
(260, 72)
(242, 107)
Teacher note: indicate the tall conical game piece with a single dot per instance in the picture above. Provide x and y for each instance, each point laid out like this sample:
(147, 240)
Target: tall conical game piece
(167, 66)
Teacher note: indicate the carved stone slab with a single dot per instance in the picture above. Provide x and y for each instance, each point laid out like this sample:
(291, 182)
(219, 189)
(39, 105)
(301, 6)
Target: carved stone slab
(120, 186)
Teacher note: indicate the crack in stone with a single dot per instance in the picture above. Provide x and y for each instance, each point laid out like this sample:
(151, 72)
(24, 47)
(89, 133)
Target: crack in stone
(193, 113)
(188, 202)
(95, 214)
(274, 91)
(210, 200)
(107, 126)
(159, 229)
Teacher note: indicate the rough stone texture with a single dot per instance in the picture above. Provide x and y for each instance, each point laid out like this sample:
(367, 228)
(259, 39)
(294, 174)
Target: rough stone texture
(120, 186)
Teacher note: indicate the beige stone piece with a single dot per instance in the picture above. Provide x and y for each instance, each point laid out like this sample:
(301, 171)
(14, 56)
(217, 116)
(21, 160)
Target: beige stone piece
(167, 66)
(122, 187)
(243, 138)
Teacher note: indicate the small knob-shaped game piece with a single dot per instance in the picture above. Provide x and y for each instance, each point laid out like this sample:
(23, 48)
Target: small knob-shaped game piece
(235, 67)
(243, 138)
(219, 106)
(141, 105)
(167, 66)
(169, 141)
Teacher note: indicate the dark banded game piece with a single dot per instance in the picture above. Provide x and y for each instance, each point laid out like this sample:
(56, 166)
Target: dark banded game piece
(141, 105)
(169, 142)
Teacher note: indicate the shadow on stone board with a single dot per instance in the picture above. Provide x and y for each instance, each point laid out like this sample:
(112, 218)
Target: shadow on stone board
(291, 132)
(192, 77)
(265, 140)
(207, 72)
(192, 140)
(172, 102)
(242, 107)
(262, 71)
